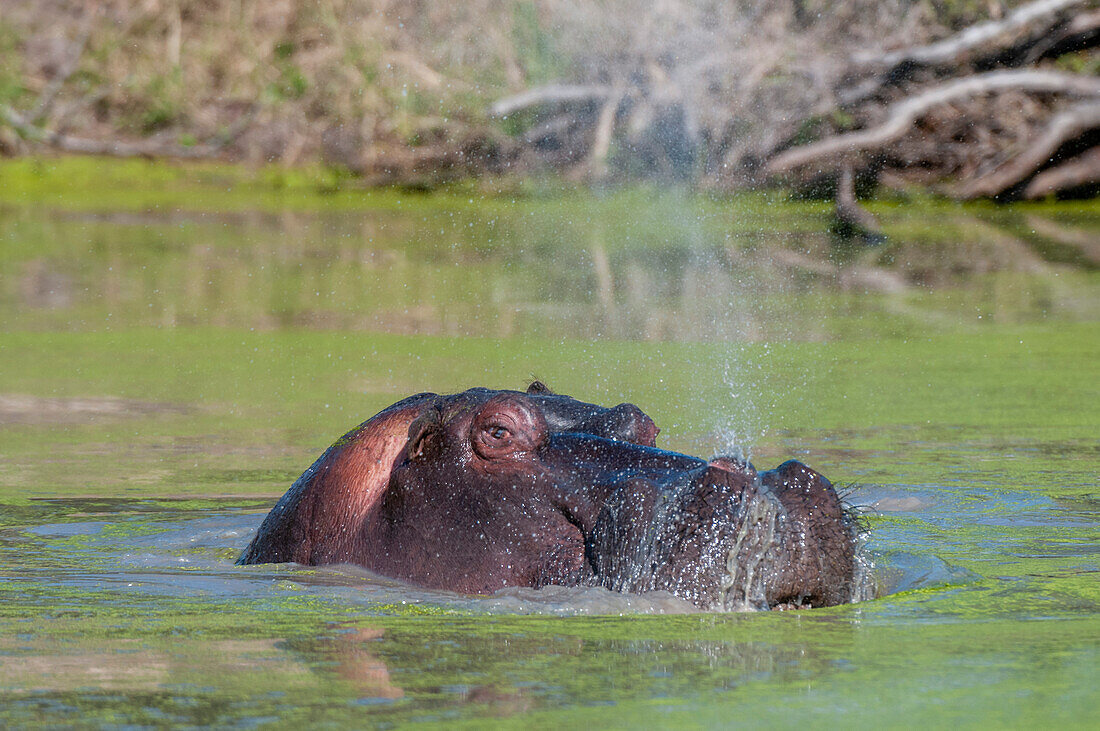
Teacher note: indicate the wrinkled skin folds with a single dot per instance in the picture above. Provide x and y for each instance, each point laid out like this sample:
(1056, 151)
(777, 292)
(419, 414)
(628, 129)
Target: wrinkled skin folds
(485, 489)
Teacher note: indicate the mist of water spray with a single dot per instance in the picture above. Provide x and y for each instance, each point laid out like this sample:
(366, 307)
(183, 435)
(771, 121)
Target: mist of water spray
(741, 423)
(736, 417)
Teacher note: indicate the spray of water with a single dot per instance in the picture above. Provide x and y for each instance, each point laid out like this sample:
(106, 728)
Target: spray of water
(740, 423)
(732, 407)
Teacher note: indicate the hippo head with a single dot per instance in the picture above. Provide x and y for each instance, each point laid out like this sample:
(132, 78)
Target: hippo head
(486, 489)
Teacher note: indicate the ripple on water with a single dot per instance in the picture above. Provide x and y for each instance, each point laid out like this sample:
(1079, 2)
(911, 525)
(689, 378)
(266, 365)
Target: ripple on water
(195, 554)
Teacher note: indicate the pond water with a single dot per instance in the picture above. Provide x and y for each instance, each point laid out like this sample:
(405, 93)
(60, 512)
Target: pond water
(174, 353)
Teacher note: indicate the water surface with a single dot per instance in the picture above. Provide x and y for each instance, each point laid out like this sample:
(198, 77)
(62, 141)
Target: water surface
(170, 362)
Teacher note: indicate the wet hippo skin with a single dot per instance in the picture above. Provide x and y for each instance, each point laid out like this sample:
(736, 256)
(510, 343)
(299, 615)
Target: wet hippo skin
(485, 489)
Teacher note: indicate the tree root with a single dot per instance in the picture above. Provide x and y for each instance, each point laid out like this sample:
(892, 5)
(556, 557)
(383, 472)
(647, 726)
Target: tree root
(1063, 127)
(1079, 171)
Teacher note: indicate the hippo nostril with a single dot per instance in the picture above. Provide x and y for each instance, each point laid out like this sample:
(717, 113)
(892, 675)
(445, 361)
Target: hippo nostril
(627, 423)
(734, 464)
(645, 431)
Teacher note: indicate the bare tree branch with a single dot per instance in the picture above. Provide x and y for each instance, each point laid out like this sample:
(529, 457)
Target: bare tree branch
(427, 75)
(49, 94)
(550, 94)
(1082, 31)
(601, 144)
(905, 113)
(981, 37)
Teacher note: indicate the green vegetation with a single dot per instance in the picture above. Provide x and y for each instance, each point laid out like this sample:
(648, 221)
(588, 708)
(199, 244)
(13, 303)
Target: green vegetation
(178, 342)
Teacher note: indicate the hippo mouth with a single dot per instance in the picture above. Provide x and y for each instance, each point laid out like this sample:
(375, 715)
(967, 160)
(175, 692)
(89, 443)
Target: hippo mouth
(716, 533)
(705, 538)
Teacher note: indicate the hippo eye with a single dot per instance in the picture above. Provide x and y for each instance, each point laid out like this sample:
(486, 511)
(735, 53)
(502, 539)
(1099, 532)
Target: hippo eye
(508, 427)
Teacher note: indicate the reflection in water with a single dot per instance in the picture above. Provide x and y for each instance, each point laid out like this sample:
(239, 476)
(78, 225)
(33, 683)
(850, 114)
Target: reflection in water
(360, 656)
(25, 409)
(349, 651)
(35, 666)
(126, 667)
(674, 277)
(481, 670)
(179, 553)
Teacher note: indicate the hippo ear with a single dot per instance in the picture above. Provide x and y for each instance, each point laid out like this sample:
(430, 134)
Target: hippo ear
(538, 388)
(425, 435)
(320, 517)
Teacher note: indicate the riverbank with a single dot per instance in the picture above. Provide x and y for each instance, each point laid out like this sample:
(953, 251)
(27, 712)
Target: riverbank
(80, 182)
(945, 96)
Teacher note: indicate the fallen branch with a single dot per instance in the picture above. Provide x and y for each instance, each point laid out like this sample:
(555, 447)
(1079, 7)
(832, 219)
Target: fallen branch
(601, 144)
(116, 148)
(1081, 170)
(905, 113)
(550, 94)
(1063, 127)
(1036, 17)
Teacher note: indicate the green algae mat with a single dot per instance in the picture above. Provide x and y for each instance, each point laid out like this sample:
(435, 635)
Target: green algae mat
(178, 343)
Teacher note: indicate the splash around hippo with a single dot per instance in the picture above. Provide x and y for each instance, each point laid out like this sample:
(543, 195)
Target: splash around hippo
(486, 489)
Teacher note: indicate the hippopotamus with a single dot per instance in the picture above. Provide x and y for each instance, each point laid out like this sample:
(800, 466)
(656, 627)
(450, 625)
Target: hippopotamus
(486, 489)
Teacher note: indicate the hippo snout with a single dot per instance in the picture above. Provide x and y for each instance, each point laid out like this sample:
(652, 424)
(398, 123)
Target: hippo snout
(689, 536)
(728, 539)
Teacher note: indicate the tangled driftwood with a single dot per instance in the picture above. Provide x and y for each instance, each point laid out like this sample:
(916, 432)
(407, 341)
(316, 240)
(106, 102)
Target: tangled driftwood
(982, 113)
(723, 95)
(994, 58)
(1065, 126)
